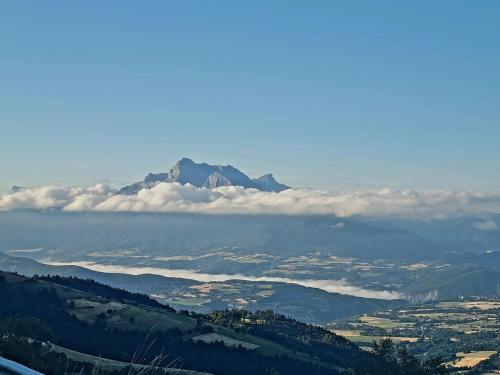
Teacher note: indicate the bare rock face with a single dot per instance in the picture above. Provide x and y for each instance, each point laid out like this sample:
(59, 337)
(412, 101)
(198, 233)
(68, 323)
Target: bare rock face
(216, 180)
(186, 171)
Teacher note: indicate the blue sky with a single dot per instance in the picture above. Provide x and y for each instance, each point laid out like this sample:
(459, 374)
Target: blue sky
(328, 94)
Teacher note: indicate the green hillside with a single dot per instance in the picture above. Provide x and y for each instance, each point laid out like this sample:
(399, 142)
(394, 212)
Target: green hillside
(50, 323)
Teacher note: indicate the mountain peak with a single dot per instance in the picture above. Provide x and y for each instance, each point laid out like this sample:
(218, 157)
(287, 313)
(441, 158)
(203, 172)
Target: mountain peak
(266, 177)
(185, 161)
(204, 175)
(267, 182)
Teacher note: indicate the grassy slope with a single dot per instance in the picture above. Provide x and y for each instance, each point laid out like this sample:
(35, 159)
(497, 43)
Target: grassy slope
(88, 306)
(112, 365)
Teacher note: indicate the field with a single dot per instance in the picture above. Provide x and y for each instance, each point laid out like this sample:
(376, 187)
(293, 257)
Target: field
(379, 322)
(359, 338)
(118, 315)
(471, 359)
(464, 333)
(214, 337)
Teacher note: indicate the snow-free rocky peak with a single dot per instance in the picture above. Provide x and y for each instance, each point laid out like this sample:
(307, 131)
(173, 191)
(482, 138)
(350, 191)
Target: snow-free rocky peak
(208, 176)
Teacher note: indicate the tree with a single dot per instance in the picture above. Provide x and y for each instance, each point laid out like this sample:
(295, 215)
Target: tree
(384, 348)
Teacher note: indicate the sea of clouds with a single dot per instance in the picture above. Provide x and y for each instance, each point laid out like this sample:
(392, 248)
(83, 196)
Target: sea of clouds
(174, 197)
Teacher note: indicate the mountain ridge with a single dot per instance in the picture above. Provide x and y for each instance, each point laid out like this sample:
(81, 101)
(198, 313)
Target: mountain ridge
(203, 175)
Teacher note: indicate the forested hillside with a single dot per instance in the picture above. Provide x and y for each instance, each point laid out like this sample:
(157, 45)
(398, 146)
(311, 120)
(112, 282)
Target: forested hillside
(50, 321)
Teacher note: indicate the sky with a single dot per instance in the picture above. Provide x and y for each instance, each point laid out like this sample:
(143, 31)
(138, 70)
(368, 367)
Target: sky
(325, 94)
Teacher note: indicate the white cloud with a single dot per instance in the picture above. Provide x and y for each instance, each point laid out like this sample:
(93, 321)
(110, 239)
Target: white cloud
(173, 197)
(488, 225)
(44, 197)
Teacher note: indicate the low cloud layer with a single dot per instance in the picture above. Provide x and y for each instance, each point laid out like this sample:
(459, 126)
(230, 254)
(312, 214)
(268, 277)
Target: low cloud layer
(332, 286)
(173, 197)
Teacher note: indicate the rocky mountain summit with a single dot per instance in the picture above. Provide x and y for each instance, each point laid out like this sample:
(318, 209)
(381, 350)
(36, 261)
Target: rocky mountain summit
(208, 176)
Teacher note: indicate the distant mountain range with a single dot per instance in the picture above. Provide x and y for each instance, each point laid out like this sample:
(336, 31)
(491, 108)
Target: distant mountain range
(186, 171)
(163, 234)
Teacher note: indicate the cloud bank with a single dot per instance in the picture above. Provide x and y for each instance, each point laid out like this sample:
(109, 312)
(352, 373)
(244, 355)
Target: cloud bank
(174, 197)
(331, 286)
